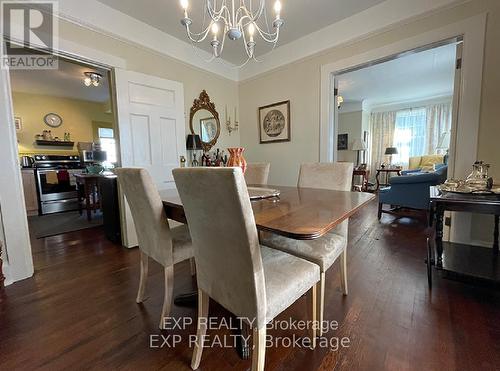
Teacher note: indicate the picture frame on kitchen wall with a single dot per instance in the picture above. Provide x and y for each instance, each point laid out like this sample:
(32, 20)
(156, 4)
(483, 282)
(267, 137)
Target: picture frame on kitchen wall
(274, 123)
(18, 122)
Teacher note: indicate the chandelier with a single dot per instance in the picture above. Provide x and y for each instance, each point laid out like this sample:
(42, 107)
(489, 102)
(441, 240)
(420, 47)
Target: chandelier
(237, 20)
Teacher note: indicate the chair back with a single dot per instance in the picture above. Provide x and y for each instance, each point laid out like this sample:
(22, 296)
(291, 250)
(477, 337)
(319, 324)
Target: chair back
(257, 173)
(225, 240)
(151, 223)
(335, 176)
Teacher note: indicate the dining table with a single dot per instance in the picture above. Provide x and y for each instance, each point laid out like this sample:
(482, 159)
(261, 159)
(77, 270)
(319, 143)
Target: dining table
(297, 213)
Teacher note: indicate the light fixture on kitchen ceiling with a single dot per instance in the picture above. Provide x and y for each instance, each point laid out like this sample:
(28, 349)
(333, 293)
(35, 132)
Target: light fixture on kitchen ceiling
(236, 20)
(92, 78)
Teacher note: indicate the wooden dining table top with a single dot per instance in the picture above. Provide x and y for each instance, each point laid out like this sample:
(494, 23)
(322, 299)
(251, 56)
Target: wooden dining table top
(298, 213)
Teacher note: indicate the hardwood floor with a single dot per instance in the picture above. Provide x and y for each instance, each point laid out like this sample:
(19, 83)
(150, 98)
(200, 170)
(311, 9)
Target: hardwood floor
(79, 310)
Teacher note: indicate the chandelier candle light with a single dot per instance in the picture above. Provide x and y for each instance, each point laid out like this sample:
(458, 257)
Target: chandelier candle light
(237, 21)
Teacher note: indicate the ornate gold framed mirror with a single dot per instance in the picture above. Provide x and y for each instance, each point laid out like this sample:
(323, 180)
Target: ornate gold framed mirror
(204, 121)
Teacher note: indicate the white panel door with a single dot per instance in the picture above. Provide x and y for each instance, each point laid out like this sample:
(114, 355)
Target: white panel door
(152, 131)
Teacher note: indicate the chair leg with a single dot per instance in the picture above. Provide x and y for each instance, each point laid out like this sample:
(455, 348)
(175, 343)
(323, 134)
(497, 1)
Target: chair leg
(321, 302)
(343, 271)
(259, 349)
(314, 315)
(169, 290)
(143, 278)
(203, 301)
(192, 266)
(379, 213)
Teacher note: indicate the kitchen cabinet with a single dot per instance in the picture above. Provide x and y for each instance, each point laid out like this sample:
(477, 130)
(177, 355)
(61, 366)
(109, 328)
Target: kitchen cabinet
(29, 188)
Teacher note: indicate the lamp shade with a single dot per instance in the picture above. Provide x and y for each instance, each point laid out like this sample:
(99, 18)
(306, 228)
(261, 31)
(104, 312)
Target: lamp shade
(391, 151)
(193, 142)
(444, 141)
(358, 145)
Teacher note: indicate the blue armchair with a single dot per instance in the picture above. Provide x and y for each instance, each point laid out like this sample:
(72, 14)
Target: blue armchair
(411, 189)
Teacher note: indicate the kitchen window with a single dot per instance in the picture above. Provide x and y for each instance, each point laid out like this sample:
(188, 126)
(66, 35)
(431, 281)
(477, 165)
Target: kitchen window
(108, 143)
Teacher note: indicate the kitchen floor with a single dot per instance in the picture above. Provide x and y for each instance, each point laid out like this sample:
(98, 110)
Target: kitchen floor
(59, 223)
(79, 310)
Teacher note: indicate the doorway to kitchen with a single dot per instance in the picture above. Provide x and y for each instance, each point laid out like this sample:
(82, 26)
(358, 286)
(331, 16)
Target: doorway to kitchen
(67, 143)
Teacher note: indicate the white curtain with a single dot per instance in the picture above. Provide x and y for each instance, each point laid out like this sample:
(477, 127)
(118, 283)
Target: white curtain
(382, 125)
(438, 122)
(409, 135)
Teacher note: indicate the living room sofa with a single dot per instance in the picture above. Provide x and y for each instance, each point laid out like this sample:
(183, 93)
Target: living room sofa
(411, 189)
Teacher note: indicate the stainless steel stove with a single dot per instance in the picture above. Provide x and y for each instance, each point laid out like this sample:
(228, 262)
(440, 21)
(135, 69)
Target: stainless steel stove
(56, 184)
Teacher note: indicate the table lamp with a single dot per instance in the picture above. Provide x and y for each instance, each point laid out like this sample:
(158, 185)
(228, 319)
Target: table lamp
(389, 151)
(193, 144)
(359, 145)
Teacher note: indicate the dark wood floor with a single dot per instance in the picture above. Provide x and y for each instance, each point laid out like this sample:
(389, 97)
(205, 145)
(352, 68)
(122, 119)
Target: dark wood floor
(79, 310)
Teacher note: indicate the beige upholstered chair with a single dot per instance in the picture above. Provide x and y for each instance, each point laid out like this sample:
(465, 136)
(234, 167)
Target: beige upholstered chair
(257, 173)
(232, 268)
(325, 250)
(156, 240)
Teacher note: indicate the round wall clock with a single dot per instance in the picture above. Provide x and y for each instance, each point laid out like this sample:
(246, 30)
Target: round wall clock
(53, 120)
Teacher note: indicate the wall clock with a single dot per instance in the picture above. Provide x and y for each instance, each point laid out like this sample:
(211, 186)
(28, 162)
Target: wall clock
(53, 120)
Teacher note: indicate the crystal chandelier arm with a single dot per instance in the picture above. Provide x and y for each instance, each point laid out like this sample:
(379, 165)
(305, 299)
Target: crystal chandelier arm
(269, 37)
(245, 13)
(198, 37)
(216, 15)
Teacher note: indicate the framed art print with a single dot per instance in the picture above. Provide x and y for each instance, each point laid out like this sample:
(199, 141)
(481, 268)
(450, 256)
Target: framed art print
(342, 142)
(274, 122)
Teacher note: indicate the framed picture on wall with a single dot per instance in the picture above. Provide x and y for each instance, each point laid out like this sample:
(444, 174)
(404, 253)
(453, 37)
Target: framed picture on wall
(274, 122)
(18, 123)
(342, 142)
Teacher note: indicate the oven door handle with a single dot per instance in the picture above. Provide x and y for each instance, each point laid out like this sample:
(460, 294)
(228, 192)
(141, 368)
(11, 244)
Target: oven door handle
(64, 200)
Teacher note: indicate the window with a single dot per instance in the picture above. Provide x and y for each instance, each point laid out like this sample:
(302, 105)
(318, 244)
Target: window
(410, 134)
(108, 143)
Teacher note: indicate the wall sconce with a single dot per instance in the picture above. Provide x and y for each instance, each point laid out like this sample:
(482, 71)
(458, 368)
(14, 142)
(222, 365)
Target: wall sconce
(229, 126)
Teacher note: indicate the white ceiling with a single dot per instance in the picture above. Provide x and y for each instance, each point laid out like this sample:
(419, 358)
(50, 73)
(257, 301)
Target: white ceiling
(65, 82)
(414, 77)
(301, 18)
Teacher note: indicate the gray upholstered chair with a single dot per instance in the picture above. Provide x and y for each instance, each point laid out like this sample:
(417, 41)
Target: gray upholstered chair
(156, 239)
(324, 250)
(251, 281)
(257, 173)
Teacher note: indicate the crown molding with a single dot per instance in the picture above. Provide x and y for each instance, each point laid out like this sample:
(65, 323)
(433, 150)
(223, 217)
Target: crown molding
(361, 25)
(110, 22)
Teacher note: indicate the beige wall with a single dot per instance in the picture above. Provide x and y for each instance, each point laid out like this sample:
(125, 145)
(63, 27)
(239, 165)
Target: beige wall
(221, 91)
(300, 82)
(350, 123)
(77, 116)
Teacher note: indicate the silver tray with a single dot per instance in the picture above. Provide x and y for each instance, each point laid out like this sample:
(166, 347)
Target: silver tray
(258, 193)
(463, 189)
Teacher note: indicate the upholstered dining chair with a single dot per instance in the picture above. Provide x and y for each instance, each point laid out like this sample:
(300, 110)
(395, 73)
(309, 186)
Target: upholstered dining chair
(257, 173)
(325, 250)
(249, 280)
(157, 240)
